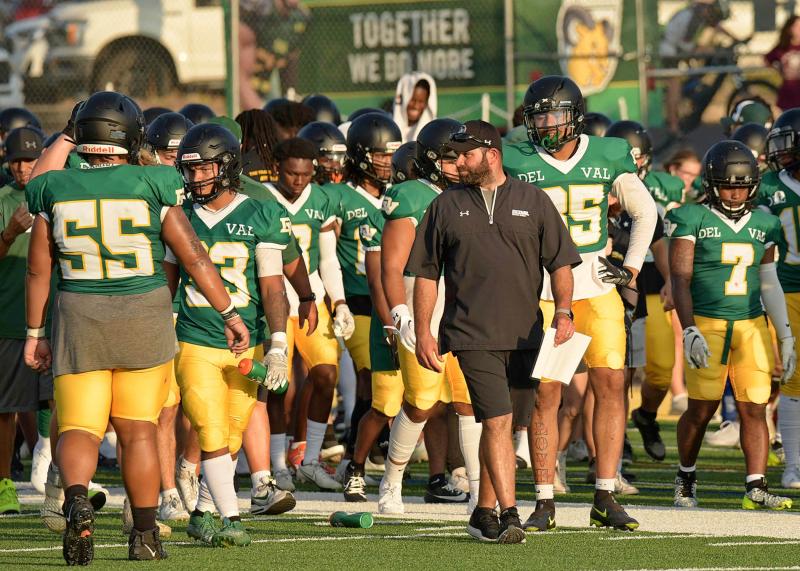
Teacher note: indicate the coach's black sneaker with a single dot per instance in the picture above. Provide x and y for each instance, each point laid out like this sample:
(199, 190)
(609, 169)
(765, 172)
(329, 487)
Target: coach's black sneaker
(483, 524)
(606, 512)
(510, 527)
(543, 517)
(354, 484)
(79, 533)
(648, 427)
(439, 491)
(145, 545)
(627, 452)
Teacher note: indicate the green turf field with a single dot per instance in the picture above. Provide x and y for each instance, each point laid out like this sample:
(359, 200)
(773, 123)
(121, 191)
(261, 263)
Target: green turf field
(306, 541)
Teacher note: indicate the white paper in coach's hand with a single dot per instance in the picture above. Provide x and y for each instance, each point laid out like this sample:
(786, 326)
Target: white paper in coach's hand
(559, 363)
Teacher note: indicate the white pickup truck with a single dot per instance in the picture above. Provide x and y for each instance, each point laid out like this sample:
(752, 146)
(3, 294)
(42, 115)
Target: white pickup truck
(140, 47)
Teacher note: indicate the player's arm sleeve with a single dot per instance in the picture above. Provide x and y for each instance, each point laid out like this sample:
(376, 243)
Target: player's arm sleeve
(774, 300)
(269, 261)
(640, 206)
(427, 253)
(329, 269)
(557, 248)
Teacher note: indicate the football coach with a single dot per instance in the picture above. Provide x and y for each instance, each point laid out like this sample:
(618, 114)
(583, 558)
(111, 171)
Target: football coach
(491, 236)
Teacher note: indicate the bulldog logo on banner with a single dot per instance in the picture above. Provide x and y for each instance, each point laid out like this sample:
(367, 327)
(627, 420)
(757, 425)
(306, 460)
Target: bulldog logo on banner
(589, 37)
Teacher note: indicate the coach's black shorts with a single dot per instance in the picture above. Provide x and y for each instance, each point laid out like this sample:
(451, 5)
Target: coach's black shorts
(492, 377)
(21, 388)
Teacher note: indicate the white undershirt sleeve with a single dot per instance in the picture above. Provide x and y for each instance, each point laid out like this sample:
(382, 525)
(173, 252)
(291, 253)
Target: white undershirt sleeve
(169, 256)
(774, 300)
(637, 202)
(329, 269)
(269, 261)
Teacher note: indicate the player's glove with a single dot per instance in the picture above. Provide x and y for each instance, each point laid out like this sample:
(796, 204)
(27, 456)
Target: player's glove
(344, 325)
(612, 274)
(277, 363)
(404, 324)
(788, 358)
(69, 128)
(695, 348)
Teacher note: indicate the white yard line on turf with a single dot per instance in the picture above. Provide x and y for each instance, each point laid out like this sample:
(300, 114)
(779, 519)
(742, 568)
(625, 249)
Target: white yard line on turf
(652, 536)
(770, 543)
(721, 569)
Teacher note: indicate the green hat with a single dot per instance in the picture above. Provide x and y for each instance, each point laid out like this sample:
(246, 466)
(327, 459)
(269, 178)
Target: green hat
(229, 124)
(748, 111)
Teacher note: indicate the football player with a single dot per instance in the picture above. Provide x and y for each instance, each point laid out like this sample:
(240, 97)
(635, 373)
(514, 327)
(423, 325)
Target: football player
(197, 113)
(244, 239)
(331, 149)
(164, 135)
(722, 268)
(579, 172)
(404, 206)
(372, 139)
(106, 228)
(754, 135)
(780, 194)
(312, 215)
(667, 191)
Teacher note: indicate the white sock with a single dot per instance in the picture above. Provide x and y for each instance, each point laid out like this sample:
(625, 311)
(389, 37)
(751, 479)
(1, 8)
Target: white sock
(545, 491)
(754, 478)
(205, 503)
(315, 435)
(789, 424)
(469, 436)
(687, 469)
(521, 448)
(43, 443)
(347, 385)
(255, 478)
(169, 493)
(218, 474)
(606, 484)
(277, 451)
(188, 466)
(403, 439)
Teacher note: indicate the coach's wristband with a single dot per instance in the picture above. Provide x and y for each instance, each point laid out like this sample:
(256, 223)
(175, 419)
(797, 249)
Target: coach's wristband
(35, 332)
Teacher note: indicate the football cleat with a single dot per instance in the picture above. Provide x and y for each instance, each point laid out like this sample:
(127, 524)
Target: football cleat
(317, 474)
(52, 516)
(651, 435)
(510, 527)
(341, 471)
(685, 492)
(355, 486)
(202, 527)
(296, 454)
(145, 546)
(458, 479)
(188, 485)
(727, 436)
(440, 491)
(164, 531)
(390, 498)
(283, 479)
(9, 503)
(267, 499)
(543, 517)
(623, 487)
(760, 498)
(791, 477)
(608, 513)
(484, 525)
(78, 540)
(172, 509)
(232, 533)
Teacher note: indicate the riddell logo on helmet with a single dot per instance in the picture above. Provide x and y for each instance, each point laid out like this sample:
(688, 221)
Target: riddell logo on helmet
(94, 149)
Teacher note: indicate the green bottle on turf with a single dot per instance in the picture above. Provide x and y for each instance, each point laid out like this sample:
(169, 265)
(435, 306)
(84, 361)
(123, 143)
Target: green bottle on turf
(362, 520)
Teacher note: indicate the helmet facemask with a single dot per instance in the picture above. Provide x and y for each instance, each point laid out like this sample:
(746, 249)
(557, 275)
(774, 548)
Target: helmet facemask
(728, 208)
(782, 150)
(552, 125)
(220, 183)
(331, 164)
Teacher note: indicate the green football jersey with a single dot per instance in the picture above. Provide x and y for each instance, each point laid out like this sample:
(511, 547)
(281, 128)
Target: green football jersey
(780, 194)
(579, 187)
(230, 236)
(106, 224)
(664, 188)
(409, 199)
(253, 189)
(352, 205)
(74, 161)
(13, 269)
(380, 354)
(311, 212)
(725, 282)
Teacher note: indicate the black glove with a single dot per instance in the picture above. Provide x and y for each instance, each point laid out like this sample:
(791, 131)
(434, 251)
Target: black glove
(69, 128)
(612, 274)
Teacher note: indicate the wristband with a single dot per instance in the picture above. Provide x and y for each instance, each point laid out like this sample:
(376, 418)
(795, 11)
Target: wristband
(279, 337)
(312, 297)
(229, 315)
(565, 311)
(35, 332)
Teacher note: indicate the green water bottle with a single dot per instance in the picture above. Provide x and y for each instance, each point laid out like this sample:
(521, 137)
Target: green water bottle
(362, 520)
(256, 371)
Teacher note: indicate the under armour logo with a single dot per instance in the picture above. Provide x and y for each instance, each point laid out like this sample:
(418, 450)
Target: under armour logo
(30, 144)
(464, 213)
